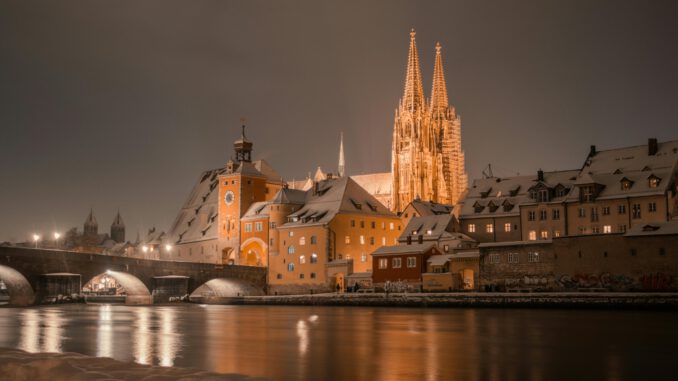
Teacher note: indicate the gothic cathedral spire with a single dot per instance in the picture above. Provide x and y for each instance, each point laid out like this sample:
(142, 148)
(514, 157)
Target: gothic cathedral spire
(439, 91)
(413, 97)
(342, 167)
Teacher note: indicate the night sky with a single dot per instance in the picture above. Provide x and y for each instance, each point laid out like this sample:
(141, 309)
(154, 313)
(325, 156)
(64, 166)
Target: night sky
(120, 105)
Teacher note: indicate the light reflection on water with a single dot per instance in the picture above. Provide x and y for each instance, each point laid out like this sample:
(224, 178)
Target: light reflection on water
(312, 343)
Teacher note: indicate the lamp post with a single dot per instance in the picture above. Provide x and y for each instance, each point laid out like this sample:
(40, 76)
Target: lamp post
(168, 250)
(56, 239)
(36, 238)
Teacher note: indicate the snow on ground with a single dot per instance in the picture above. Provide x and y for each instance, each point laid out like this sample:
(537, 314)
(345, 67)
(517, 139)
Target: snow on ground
(17, 365)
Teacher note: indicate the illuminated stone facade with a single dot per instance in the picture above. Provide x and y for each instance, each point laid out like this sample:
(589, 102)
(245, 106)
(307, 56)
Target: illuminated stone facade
(427, 159)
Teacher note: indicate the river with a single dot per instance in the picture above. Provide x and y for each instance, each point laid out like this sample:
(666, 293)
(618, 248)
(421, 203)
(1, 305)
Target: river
(354, 343)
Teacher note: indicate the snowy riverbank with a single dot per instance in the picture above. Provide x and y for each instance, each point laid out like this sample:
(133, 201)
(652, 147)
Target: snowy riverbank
(16, 365)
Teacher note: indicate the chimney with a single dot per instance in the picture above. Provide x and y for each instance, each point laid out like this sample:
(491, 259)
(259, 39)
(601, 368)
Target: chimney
(409, 239)
(540, 175)
(652, 146)
(593, 151)
(420, 239)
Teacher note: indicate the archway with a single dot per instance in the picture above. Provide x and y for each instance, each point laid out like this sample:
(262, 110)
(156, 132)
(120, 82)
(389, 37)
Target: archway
(253, 252)
(227, 256)
(467, 278)
(117, 283)
(18, 289)
(219, 289)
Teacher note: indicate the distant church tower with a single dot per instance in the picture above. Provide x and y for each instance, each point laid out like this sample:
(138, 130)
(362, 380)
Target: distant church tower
(91, 227)
(342, 165)
(427, 160)
(118, 229)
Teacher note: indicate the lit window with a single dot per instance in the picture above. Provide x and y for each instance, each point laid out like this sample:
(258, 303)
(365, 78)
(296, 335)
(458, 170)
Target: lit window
(383, 263)
(396, 263)
(489, 228)
(347, 239)
(533, 235)
(556, 233)
(411, 262)
(391, 226)
(302, 259)
(290, 267)
(533, 257)
(314, 258)
(363, 257)
(383, 241)
(507, 227)
(544, 234)
(291, 233)
(607, 229)
(471, 228)
(302, 241)
(362, 239)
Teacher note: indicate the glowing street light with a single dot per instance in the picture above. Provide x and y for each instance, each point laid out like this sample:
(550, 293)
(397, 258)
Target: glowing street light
(168, 247)
(56, 239)
(36, 238)
(144, 249)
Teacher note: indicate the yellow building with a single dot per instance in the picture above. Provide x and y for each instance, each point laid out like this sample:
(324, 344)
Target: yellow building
(329, 237)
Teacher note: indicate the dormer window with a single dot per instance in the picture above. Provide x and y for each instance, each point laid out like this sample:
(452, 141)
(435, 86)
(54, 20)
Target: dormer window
(357, 205)
(626, 184)
(478, 207)
(587, 193)
(618, 171)
(645, 168)
(513, 192)
(485, 193)
(507, 206)
(493, 207)
(653, 181)
(543, 195)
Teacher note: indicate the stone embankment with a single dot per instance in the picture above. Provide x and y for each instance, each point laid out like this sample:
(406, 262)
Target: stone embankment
(512, 300)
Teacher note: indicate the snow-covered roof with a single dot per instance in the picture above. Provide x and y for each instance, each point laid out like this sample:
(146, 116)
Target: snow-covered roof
(333, 196)
(375, 183)
(256, 210)
(415, 248)
(429, 208)
(654, 228)
(430, 227)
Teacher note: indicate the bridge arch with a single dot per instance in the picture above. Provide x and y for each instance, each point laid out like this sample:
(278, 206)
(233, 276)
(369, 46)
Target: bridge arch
(19, 289)
(220, 288)
(135, 290)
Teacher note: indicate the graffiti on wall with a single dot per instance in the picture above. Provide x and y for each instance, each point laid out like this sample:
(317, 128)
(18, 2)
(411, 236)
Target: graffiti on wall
(617, 282)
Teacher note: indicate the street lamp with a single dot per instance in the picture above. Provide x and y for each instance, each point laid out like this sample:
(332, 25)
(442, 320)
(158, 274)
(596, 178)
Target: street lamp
(144, 248)
(56, 239)
(168, 247)
(36, 238)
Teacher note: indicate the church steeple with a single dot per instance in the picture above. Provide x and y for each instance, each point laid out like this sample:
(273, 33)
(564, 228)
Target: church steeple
(439, 92)
(91, 227)
(243, 147)
(118, 229)
(341, 169)
(413, 97)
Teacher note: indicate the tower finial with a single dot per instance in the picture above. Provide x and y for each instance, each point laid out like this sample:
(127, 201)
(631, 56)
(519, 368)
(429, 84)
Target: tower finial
(412, 34)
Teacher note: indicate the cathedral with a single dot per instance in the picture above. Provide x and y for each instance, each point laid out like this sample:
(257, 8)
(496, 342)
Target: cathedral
(427, 159)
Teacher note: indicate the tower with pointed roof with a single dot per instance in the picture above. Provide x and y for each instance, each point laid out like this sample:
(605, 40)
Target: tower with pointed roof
(91, 227)
(341, 169)
(118, 229)
(427, 160)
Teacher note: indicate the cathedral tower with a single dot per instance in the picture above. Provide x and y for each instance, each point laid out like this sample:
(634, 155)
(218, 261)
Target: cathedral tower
(91, 227)
(427, 161)
(341, 169)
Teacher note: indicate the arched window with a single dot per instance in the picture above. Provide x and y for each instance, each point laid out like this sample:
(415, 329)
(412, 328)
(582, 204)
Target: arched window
(290, 249)
(290, 267)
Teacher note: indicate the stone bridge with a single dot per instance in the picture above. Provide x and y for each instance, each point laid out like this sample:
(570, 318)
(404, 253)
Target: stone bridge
(23, 271)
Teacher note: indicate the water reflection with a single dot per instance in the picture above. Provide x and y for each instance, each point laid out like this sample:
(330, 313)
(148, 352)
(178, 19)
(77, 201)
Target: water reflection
(311, 343)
